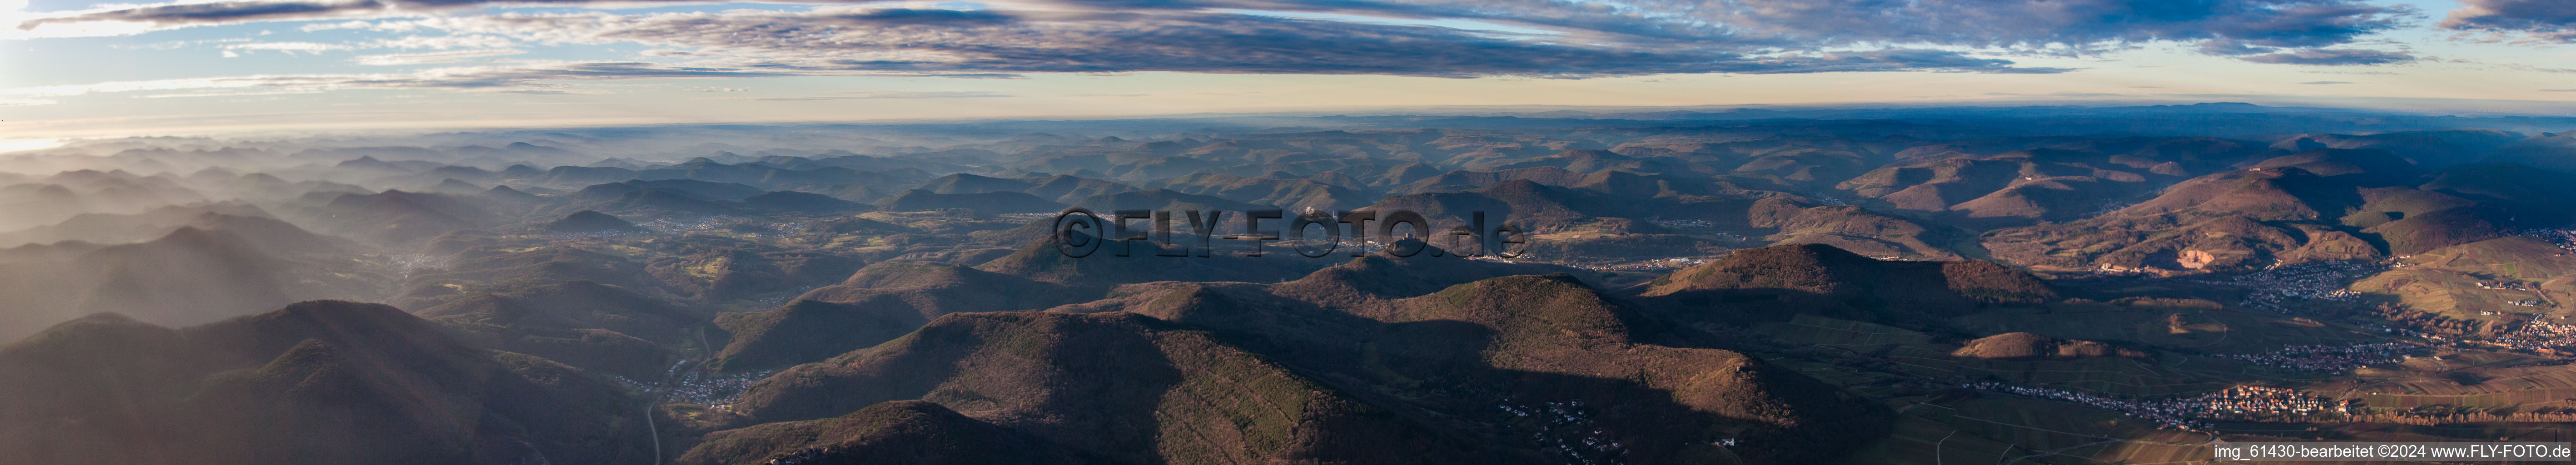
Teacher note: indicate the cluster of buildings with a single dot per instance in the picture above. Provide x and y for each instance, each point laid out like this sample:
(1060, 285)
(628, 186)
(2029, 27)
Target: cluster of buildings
(2564, 238)
(715, 391)
(2249, 403)
(2279, 287)
(413, 262)
(782, 297)
(2328, 357)
(2504, 285)
(2147, 410)
(2192, 413)
(1684, 224)
(1700, 226)
(704, 223)
(1650, 265)
(716, 223)
(2553, 336)
(806, 455)
(1566, 429)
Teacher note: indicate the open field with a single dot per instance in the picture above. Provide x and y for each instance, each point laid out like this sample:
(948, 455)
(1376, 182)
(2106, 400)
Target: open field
(1813, 329)
(2001, 429)
(2185, 326)
(2523, 386)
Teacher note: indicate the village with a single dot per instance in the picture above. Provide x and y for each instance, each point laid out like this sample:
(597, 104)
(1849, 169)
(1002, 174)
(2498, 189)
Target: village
(2333, 359)
(713, 390)
(2280, 288)
(1565, 427)
(2241, 403)
(2548, 336)
(1657, 265)
(2564, 238)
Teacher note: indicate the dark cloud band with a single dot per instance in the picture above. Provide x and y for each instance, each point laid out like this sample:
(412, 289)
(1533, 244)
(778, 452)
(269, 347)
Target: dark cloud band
(919, 42)
(1534, 38)
(2546, 20)
(1789, 24)
(2332, 57)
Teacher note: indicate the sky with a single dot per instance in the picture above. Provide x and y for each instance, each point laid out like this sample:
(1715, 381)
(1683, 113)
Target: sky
(81, 68)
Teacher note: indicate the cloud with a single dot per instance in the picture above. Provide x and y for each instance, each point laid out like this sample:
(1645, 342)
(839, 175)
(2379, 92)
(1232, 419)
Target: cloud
(1796, 25)
(137, 18)
(2077, 23)
(25, 103)
(2324, 82)
(2537, 20)
(546, 91)
(1530, 38)
(290, 47)
(2227, 47)
(2333, 57)
(477, 45)
(397, 59)
(238, 93)
(120, 19)
(2536, 69)
(899, 41)
(1881, 60)
(861, 95)
(543, 76)
(2558, 90)
(482, 41)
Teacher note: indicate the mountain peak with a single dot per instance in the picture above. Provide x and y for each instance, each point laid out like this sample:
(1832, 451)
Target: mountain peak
(589, 221)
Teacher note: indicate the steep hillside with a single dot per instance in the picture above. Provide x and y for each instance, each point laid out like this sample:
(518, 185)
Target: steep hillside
(2026, 346)
(1118, 386)
(316, 382)
(580, 323)
(589, 221)
(878, 303)
(1772, 282)
(908, 431)
(2373, 205)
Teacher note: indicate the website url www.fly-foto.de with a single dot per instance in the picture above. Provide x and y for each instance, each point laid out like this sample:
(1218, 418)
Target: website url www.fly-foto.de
(2501, 451)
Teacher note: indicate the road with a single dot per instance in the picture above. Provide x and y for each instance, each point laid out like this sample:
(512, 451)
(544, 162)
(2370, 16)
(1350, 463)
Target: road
(653, 397)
